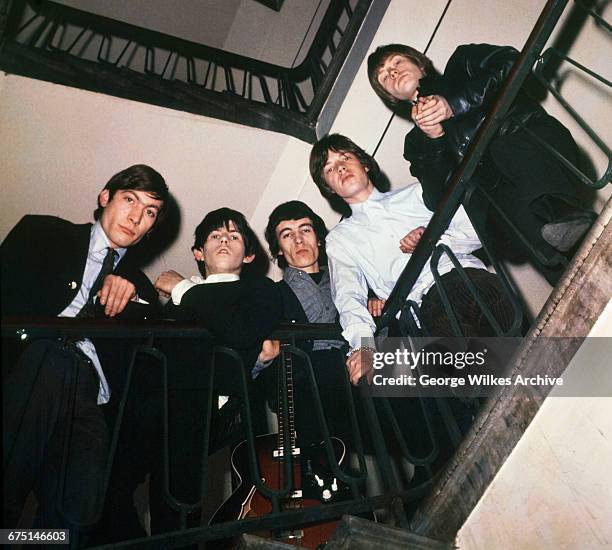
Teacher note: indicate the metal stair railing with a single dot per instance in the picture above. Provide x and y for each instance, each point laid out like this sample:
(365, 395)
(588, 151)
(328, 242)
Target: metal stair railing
(97, 49)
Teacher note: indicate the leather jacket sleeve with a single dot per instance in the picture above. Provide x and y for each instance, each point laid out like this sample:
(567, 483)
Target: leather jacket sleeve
(475, 73)
(431, 162)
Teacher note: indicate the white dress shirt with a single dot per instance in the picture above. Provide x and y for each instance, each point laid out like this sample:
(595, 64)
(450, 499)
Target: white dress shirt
(363, 251)
(98, 244)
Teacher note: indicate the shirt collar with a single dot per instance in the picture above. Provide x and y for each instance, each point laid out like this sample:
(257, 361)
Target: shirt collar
(375, 197)
(98, 243)
(221, 278)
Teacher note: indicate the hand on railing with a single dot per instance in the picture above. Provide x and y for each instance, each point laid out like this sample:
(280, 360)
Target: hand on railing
(410, 241)
(375, 306)
(115, 294)
(167, 281)
(360, 363)
(269, 350)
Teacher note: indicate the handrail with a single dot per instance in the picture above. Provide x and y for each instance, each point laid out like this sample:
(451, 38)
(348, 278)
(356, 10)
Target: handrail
(154, 333)
(181, 73)
(52, 327)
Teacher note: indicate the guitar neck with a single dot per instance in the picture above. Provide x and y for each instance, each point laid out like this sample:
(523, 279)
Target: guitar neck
(286, 418)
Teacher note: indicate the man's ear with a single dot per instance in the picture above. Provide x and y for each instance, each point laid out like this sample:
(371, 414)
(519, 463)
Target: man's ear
(248, 259)
(198, 255)
(104, 198)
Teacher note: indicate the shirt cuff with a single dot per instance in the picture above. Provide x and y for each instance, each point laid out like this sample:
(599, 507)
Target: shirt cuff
(354, 333)
(259, 366)
(179, 290)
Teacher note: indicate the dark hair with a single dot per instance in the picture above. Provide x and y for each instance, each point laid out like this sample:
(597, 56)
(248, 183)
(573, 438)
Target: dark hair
(293, 210)
(138, 177)
(338, 143)
(221, 218)
(377, 59)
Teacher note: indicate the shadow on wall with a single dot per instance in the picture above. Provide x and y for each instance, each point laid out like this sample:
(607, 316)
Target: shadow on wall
(161, 239)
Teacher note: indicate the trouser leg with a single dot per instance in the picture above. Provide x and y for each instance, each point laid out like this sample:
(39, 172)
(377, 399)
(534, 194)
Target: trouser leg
(535, 184)
(471, 318)
(55, 437)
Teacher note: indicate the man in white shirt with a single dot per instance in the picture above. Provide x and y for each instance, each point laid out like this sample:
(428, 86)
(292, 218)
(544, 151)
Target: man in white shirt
(372, 246)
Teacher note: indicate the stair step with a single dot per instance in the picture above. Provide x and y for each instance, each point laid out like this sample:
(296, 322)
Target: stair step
(355, 533)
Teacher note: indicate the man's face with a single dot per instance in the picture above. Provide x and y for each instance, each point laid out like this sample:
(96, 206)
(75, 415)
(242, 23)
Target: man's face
(223, 251)
(399, 76)
(347, 177)
(128, 216)
(298, 244)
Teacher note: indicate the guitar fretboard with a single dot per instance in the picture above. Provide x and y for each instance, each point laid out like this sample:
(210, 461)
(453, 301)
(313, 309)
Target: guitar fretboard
(286, 419)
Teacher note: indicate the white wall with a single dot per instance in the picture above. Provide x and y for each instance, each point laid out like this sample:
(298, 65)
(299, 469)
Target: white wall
(275, 37)
(554, 489)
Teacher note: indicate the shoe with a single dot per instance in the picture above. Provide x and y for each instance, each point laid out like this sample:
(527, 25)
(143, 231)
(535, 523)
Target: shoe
(565, 233)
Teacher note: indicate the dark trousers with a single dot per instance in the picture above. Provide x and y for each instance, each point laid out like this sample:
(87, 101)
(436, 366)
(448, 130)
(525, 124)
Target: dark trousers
(471, 318)
(54, 436)
(331, 382)
(520, 174)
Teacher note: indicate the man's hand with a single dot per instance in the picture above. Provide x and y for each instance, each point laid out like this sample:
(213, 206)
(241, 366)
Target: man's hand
(360, 363)
(167, 281)
(429, 113)
(115, 293)
(375, 306)
(410, 241)
(432, 110)
(269, 350)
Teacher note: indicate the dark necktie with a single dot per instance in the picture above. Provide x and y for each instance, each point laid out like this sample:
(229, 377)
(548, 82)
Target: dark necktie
(107, 268)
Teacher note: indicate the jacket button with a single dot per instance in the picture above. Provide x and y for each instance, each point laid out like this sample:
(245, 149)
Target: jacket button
(73, 285)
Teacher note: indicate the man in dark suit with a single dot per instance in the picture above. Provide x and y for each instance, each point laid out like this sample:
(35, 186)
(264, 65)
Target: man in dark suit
(54, 433)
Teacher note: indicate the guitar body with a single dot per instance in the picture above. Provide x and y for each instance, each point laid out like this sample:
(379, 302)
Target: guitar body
(311, 473)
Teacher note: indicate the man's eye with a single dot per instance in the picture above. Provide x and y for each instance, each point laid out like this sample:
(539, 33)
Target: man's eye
(285, 235)
(235, 238)
(151, 213)
(306, 230)
(215, 236)
(129, 199)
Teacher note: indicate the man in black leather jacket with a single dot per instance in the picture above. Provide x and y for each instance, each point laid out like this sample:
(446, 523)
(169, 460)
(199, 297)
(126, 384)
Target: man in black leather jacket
(536, 193)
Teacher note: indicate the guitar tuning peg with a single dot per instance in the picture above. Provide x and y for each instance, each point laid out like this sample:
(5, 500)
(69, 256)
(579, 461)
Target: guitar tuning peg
(319, 481)
(334, 485)
(326, 494)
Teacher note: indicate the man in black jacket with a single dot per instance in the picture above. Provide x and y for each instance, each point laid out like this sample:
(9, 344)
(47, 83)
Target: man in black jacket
(240, 309)
(54, 268)
(537, 194)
